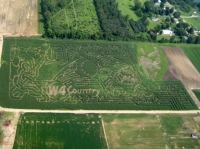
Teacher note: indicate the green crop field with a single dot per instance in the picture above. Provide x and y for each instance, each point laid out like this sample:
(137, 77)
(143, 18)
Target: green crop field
(58, 74)
(197, 93)
(194, 22)
(79, 15)
(59, 131)
(141, 131)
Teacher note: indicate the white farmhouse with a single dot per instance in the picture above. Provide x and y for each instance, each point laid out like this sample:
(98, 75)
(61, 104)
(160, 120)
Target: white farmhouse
(167, 32)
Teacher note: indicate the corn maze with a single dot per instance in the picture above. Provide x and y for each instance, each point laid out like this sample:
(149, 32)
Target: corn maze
(82, 75)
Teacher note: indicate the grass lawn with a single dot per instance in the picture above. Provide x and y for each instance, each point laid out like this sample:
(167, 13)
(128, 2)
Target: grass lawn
(126, 8)
(195, 22)
(59, 131)
(197, 93)
(142, 131)
(40, 18)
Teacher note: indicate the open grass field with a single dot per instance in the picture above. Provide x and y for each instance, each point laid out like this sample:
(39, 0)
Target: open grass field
(194, 22)
(126, 8)
(60, 131)
(79, 15)
(151, 131)
(18, 17)
(197, 93)
(87, 75)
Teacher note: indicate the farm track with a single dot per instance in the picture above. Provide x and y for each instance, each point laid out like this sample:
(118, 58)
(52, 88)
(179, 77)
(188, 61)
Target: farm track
(101, 111)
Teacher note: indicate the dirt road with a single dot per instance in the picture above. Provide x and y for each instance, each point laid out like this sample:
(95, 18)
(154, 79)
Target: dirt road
(101, 111)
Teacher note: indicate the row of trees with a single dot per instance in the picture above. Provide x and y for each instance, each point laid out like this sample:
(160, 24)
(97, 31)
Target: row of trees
(191, 40)
(113, 24)
(184, 5)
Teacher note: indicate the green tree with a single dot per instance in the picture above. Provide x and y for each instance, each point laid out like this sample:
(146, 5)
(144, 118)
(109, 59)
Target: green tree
(162, 5)
(191, 30)
(177, 14)
(172, 38)
(191, 39)
(138, 12)
(138, 5)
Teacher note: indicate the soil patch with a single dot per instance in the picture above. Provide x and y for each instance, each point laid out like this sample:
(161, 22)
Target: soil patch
(18, 17)
(180, 67)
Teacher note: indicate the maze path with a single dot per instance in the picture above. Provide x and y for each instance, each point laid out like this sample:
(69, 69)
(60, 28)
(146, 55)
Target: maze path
(88, 74)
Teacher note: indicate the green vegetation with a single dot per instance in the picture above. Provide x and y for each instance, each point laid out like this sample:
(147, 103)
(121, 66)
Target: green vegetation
(40, 19)
(194, 22)
(126, 8)
(87, 75)
(178, 130)
(193, 53)
(70, 19)
(150, 48)
(151, 131)
(133, 131)
(183, 5)
(197, 93)
(53, 131)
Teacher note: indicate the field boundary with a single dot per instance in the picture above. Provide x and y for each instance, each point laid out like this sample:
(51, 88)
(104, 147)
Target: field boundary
(1, 47)
(104, 133)
(102, 111)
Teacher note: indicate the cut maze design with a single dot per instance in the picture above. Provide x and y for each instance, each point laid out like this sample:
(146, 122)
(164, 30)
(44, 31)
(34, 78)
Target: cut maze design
(77, 73)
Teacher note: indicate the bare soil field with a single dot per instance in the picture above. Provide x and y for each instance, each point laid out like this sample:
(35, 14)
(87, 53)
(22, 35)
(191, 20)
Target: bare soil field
(181, 68)
(18, 17)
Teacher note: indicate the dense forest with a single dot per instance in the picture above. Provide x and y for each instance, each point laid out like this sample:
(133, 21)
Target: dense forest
(113, 24)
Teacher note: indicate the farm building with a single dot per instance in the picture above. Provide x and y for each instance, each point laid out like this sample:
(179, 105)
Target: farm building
(167, 32)
(194, 135)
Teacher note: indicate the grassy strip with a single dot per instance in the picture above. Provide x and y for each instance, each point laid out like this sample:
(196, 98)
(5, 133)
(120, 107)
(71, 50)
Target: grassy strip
(197, 93)
(40, 18)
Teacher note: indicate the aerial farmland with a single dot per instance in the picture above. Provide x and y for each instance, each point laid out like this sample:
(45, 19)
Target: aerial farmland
(91, 74)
